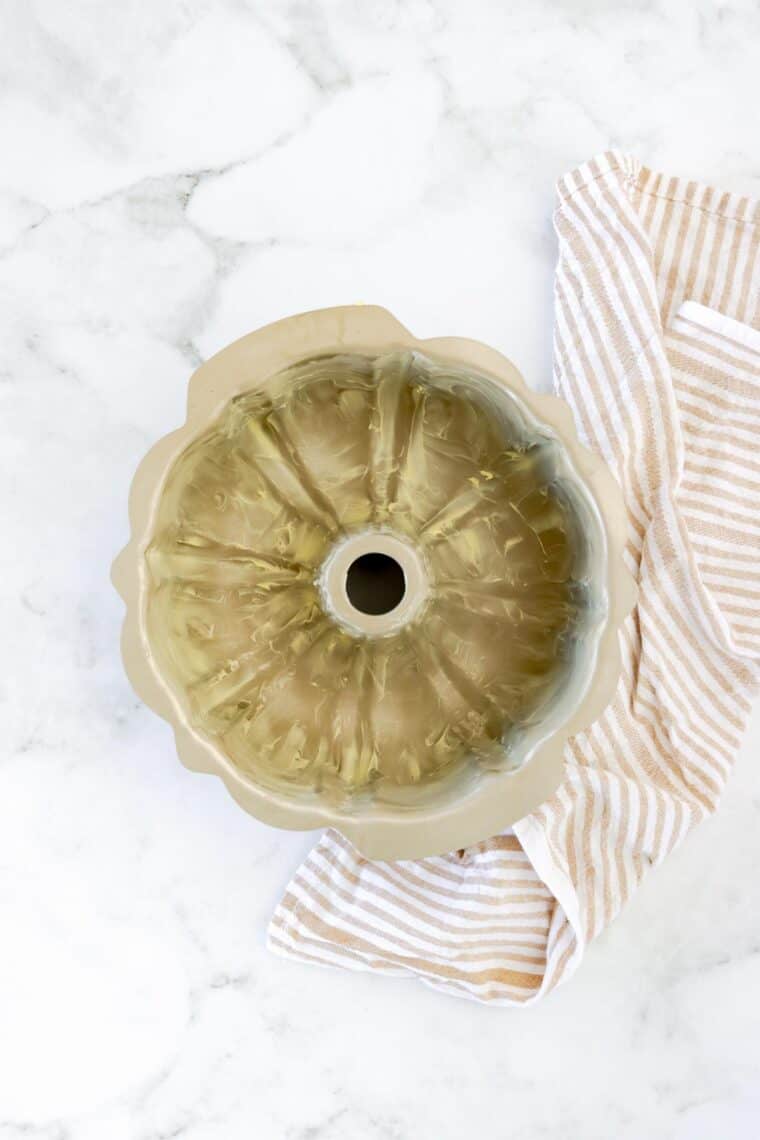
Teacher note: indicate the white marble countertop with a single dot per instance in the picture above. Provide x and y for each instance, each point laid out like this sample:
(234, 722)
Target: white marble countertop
(176, 174)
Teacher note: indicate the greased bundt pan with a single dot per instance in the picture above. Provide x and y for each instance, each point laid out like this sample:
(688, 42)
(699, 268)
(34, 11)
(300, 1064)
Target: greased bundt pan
(374, 582)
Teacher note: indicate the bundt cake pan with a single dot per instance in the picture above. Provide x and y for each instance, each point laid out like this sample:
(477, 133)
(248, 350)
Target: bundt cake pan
(374, 583)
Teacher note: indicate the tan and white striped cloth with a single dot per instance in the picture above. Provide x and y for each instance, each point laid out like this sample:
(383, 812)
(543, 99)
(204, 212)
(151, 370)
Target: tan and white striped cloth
(657, 349)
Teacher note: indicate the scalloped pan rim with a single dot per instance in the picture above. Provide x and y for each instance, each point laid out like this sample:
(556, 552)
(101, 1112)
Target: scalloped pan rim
(500, 798)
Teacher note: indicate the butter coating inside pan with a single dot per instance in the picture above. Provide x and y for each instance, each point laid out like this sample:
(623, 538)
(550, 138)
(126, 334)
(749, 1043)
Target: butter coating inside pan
(341, 446)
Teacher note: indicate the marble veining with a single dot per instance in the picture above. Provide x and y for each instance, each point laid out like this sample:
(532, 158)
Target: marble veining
(175, 175)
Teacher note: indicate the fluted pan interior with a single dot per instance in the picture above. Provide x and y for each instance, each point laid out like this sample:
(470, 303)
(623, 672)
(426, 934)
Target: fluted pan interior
(451, 466)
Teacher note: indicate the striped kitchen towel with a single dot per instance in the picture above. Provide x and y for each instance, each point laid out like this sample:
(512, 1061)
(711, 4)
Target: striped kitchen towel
(657, 349)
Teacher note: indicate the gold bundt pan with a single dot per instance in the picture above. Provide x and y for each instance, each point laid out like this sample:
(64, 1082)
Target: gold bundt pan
(320, 455)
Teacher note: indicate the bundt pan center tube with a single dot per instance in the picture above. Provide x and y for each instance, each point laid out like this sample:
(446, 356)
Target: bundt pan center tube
(374, 583)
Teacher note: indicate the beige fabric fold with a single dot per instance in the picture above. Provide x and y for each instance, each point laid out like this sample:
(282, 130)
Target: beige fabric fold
(657, 349)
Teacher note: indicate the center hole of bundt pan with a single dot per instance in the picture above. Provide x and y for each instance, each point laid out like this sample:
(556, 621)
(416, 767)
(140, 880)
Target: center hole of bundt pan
(375, 583)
